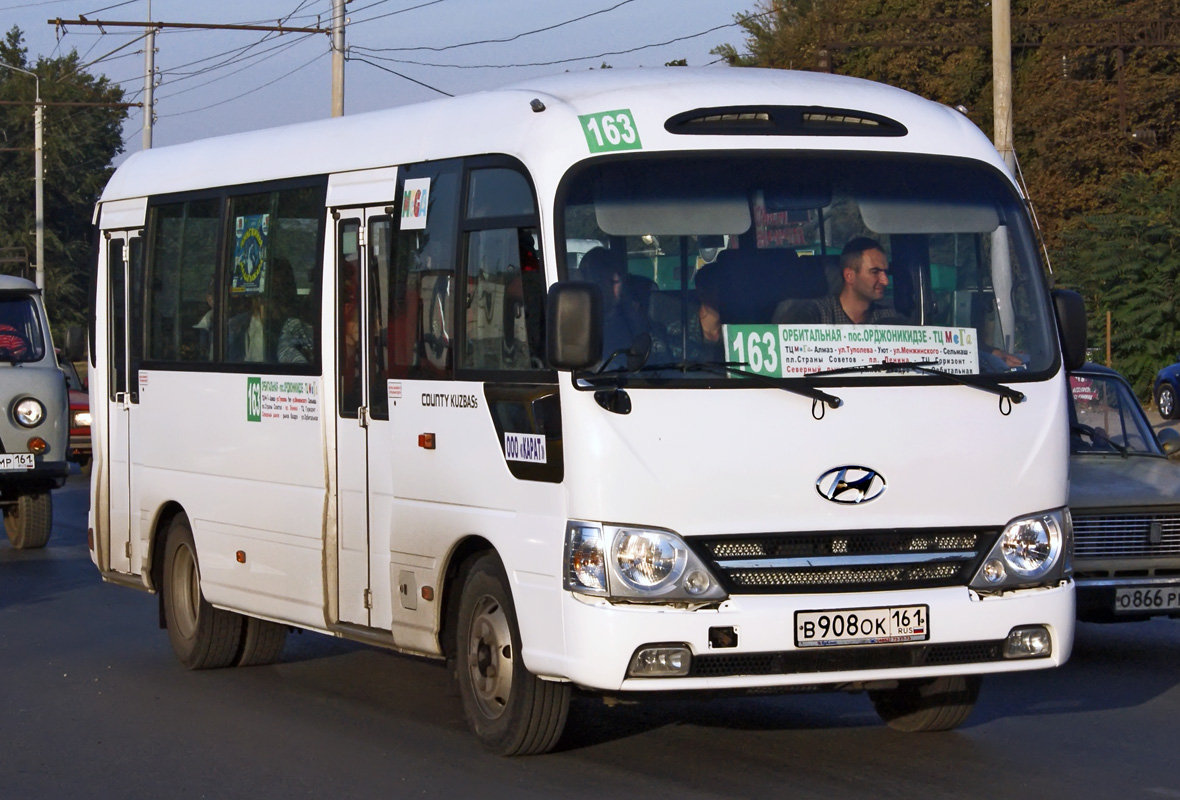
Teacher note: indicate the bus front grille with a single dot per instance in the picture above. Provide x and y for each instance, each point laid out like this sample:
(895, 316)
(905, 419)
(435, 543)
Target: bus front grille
(844, 561)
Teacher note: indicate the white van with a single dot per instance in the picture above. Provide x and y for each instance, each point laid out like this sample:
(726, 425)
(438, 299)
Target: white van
(354, 382)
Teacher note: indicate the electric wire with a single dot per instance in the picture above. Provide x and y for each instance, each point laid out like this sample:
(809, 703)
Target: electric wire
(246, 93)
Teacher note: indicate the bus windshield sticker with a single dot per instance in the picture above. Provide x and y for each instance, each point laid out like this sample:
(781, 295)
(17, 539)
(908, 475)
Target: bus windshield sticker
(415, 203)
(785, 351)
(608, 131)
(250, 239)
(280, 400)
(528, 447)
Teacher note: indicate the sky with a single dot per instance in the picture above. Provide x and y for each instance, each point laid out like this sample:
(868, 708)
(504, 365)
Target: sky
(399, 51)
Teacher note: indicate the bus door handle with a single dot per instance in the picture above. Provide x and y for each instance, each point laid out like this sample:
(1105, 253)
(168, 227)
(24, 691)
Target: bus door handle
(362, 416)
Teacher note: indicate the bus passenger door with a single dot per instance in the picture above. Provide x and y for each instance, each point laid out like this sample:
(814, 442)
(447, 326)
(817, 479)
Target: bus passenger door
(363, 239)
(124, 253)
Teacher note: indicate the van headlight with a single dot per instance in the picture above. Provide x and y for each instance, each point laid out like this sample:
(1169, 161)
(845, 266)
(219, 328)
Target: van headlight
(28, 412)
(635, 564)
(1031, 551)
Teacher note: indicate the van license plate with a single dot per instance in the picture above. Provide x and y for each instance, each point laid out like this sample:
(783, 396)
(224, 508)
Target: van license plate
(862, 626)
(10, 461)
(1146, 598)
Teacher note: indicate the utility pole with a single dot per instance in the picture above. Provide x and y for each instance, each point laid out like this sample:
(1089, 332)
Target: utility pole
(38, 175)
(338, 58)
(1002, 81)
(149, 80)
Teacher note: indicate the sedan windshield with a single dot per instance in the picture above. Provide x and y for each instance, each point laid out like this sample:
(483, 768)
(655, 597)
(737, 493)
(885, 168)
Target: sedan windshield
(1108, 418)
(789, 266)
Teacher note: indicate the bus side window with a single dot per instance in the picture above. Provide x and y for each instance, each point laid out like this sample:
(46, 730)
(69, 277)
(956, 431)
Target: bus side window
(184, 261)
(505, 282)
(422, 275)
(271, 279)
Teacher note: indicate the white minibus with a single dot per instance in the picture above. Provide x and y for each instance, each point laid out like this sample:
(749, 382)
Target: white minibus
(623, 382)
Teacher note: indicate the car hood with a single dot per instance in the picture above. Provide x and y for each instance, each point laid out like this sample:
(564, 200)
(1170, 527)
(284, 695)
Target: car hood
(1114, 482)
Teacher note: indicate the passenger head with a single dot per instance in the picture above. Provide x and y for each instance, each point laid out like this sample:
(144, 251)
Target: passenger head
(282, 291)
(600, 268)
(865, 269)
(708, 286)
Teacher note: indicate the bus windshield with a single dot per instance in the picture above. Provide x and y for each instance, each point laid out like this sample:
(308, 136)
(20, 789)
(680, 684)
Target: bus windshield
(793, 265)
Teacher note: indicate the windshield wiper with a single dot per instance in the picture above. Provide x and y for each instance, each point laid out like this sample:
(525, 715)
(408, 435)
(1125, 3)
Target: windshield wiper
(926, 368)
(717, 368)
(1099, 441)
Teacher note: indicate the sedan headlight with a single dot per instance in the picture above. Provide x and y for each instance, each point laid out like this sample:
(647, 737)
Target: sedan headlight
(28, 412)
(1031, 551)
(635, 564)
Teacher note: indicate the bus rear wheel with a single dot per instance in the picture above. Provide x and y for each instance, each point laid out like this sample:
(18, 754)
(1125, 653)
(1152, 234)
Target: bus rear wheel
(262, 642)
(510, 710)
(932, 704)
(29, 520)
(203, 637)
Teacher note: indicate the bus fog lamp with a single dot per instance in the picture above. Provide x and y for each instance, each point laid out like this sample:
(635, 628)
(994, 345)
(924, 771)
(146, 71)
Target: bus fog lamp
(1029, 641)
(662, 661)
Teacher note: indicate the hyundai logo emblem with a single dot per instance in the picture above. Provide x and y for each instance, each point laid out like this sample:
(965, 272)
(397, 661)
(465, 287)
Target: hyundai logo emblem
(850, 485)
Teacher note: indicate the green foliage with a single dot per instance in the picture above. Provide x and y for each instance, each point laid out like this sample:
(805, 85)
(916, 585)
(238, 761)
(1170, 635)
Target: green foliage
(1127, 261)
(79, 144)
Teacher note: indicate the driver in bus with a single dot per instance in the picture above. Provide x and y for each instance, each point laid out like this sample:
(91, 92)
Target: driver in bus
(864, 269)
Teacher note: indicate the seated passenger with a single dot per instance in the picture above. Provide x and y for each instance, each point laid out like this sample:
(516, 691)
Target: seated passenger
(864, 270)
(622, 320)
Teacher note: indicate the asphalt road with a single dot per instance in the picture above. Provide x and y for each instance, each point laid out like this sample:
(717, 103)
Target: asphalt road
(92, 704)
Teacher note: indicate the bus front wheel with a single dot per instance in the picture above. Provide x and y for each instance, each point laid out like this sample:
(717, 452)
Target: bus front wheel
(937, 704)
(510, 710)
(203, 637)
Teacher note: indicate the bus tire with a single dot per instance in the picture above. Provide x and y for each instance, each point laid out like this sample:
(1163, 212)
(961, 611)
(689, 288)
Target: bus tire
(938, 704)
(203, 637)
(29, 521)
(510, 710)
(262, 642)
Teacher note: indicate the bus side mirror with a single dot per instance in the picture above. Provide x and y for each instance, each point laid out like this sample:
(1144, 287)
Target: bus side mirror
(75, 347)
(574, 335)
(1071, 321)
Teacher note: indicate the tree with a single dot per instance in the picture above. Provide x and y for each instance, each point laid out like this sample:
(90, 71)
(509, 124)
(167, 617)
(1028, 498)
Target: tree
(1127, 262)
(79, 144)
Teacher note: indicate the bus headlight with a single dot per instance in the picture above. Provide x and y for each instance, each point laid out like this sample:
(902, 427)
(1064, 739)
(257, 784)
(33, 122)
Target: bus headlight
(635, 564)
(29, 412)
(1029, 552)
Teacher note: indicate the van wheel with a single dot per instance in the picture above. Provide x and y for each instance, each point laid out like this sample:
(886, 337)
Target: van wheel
(203, 637)
(510, 710)
(262, 642)
(938, 704)
(29, 520)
